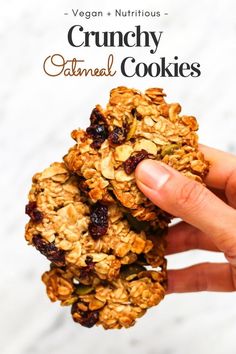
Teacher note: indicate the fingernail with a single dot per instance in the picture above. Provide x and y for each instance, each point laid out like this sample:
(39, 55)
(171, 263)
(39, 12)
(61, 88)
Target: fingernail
(152, 174)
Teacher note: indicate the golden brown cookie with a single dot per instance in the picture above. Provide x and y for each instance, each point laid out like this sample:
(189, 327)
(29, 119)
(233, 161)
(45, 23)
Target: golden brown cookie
(112, 304)
(133, 127)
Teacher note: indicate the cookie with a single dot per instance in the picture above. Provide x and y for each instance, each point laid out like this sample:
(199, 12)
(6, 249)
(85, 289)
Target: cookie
(112, 304)
(133, 127)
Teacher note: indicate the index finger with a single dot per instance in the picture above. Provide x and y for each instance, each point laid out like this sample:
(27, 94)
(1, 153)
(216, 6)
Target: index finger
(202, 277)
(222, 165)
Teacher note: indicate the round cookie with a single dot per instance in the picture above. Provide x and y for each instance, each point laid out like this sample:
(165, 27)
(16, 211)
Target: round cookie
(64, 219)
(113, 304)
(134, 126)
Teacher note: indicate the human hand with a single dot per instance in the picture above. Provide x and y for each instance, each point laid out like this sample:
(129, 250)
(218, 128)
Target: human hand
(209, 218)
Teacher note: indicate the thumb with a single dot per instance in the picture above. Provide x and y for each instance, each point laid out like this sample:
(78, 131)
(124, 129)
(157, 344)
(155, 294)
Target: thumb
(187, 199)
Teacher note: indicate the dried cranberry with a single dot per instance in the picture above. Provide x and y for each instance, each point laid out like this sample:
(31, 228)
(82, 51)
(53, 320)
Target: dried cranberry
(131, 163)
(98, 129)
(89, 260)
(96, 231)
(85, 272)
(49, 250)
(97, 117)
(85, 318)
(98, 220)
(99, 133)
(33, 212)
(117, 136)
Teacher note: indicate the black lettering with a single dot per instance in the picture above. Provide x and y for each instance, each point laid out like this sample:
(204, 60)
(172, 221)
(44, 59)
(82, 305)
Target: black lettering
(138, 69)
(182, 68)
(123, 66)
(70, 35)
(112, 39)
(155, 40)
(195, 69)
(176, 72)
(126, 39)
(165, 69)
(157, 69)
(138, 40)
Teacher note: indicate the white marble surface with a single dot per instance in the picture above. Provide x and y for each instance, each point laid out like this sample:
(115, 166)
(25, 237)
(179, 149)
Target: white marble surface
(37, 114)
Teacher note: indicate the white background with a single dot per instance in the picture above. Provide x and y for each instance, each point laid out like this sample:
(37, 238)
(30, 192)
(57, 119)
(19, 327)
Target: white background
(37, 114)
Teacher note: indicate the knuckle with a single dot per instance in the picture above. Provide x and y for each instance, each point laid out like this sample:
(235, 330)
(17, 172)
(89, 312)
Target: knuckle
(201, 283)
(226, 240)
(191, 195)
(230, 252)
(230, 188)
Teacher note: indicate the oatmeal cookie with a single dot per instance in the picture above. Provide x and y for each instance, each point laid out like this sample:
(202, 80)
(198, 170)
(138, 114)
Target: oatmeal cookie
(134, 126)
(96, 239)
(112, 304)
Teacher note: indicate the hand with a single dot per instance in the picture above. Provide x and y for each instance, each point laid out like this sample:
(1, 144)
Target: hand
(209, 218)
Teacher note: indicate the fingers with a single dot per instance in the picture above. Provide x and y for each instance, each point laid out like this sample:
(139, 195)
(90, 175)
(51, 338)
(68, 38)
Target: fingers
(222, 173)
(230, 189)
(190, 201)
(183, 237)
(221, 166)
(201, 277)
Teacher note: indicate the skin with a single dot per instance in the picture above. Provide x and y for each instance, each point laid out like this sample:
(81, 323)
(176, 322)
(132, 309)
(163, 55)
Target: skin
(208, 214)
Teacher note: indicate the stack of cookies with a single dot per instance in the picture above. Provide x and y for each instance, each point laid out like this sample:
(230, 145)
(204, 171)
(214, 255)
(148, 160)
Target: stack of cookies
(105, 240)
